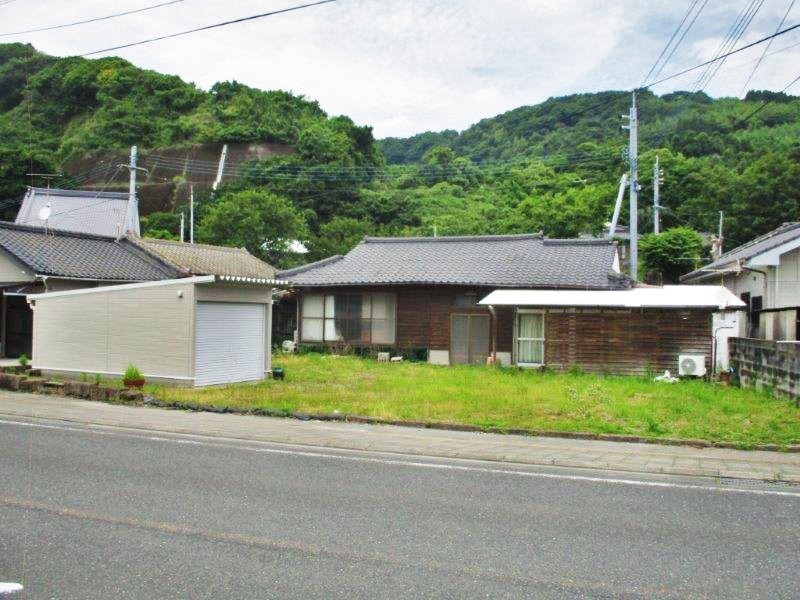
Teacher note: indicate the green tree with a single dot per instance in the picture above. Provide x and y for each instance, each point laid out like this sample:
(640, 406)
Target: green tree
(263, 223)
(664, 257)
(339, 236)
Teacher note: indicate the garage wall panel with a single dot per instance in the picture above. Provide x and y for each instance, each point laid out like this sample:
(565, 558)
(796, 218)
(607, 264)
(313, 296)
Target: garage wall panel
(71, 331)
(151, 327)
(232, 293)
(104, 331)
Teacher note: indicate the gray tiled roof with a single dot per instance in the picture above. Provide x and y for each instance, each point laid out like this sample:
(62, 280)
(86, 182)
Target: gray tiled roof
(81, 211)
(68, 254)
(201, 259)
(785, 233)
(501, 261)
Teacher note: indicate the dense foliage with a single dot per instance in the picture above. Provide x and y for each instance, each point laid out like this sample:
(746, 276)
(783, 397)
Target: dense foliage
(553, 167)
(666, 256)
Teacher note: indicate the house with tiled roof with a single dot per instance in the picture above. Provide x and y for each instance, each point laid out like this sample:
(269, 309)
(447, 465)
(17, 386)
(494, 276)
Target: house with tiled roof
(111, 214)
(765, 274)
(467, 300)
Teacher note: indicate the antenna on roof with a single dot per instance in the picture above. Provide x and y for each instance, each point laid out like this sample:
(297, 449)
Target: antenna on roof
(44, 214)
(48, 177)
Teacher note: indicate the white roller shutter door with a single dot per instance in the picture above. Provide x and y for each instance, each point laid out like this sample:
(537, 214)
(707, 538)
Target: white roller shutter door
(229, 342)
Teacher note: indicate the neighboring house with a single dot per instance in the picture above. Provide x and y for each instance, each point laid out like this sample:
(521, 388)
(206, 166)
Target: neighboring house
(765, 274)
(425, 296)
(112, 214)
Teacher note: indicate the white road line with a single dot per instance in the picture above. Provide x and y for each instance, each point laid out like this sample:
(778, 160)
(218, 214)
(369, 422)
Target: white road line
(418, 464)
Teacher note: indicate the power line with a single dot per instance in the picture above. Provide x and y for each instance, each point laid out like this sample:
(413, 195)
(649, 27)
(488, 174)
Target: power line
(726, 55)
(212, 26)
(727, 42)
(767, 102)
(93, 20)
(692, 5)
(766, 49)
(680, 40)
(734, 35)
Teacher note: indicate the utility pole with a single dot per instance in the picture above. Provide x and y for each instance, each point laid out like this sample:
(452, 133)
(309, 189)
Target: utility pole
(132, 203)
(633, 159)
(182, 220)
(658, 179)
(131, 224)
(191, 213)
(719, 231)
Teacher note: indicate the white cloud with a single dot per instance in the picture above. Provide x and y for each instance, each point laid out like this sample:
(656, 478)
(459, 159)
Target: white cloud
(406, 67)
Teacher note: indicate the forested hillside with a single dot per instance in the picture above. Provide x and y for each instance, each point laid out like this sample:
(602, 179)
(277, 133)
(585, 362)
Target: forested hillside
(553, 167)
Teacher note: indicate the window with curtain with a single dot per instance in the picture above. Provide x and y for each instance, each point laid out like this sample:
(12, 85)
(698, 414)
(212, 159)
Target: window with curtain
(352, 318)
(530, 338)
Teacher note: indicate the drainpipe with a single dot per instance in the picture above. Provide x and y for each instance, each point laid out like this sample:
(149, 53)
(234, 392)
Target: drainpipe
(764, 291)
(494, 334)
(44, 280)
(715, 343)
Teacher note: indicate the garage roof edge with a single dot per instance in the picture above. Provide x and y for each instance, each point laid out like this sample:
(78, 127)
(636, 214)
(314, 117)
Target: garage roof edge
(127, 286)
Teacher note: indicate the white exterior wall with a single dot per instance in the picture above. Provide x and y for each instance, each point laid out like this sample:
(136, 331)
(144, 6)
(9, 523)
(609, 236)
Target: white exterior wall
(726, 325)
(104, 331)
(12, 270)
(786, 288)
(745, 282)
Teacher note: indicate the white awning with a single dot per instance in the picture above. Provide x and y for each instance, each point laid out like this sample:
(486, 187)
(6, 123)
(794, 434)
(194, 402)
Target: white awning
(668, 296)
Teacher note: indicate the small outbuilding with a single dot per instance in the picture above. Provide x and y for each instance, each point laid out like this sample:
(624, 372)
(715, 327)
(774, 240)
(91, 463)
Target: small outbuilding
(631, 331)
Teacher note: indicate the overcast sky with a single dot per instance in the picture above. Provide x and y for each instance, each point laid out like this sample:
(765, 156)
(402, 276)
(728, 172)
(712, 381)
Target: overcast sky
(407, 66)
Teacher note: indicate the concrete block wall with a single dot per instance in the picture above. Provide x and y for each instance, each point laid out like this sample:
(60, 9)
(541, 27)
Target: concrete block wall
(767, 363)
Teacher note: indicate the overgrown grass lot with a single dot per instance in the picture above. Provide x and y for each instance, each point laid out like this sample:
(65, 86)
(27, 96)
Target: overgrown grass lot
(510, 399)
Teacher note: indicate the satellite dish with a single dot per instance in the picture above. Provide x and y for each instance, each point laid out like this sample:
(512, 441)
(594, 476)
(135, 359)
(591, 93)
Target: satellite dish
(44, 212)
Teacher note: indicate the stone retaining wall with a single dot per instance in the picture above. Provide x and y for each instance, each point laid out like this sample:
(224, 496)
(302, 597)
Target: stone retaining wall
(767, 363)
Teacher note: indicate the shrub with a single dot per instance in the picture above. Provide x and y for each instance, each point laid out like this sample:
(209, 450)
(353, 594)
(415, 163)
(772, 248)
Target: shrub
(84, 378)
(97, 379)
(132, 373)
(23, 360)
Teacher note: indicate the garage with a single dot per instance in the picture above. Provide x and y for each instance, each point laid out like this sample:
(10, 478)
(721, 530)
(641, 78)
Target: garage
(196, 331)
(229, 342)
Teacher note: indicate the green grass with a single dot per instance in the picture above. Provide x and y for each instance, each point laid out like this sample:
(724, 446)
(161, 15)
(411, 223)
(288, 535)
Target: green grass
(510, 399)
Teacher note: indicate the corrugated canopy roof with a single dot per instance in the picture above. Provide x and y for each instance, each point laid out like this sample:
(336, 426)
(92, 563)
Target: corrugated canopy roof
(69, 254)
(502, 260)
(668, 296)
(201, 259)
(80, 211)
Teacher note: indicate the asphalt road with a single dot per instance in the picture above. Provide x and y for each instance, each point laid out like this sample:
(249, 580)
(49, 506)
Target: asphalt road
(108, 513)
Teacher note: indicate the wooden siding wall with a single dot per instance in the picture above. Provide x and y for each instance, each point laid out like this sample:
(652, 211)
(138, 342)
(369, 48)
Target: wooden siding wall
(626, 342)
(423, 314)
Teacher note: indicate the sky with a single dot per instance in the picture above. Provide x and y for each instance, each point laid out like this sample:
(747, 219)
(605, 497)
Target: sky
(408, 66)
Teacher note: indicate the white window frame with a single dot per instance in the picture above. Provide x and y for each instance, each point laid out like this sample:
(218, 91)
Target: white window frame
(517, 339)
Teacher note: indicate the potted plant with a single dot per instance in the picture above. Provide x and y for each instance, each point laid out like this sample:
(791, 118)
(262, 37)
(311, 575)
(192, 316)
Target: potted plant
(132, 378)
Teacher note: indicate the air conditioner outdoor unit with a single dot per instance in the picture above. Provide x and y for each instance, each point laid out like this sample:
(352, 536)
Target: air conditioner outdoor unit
(691, 365)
